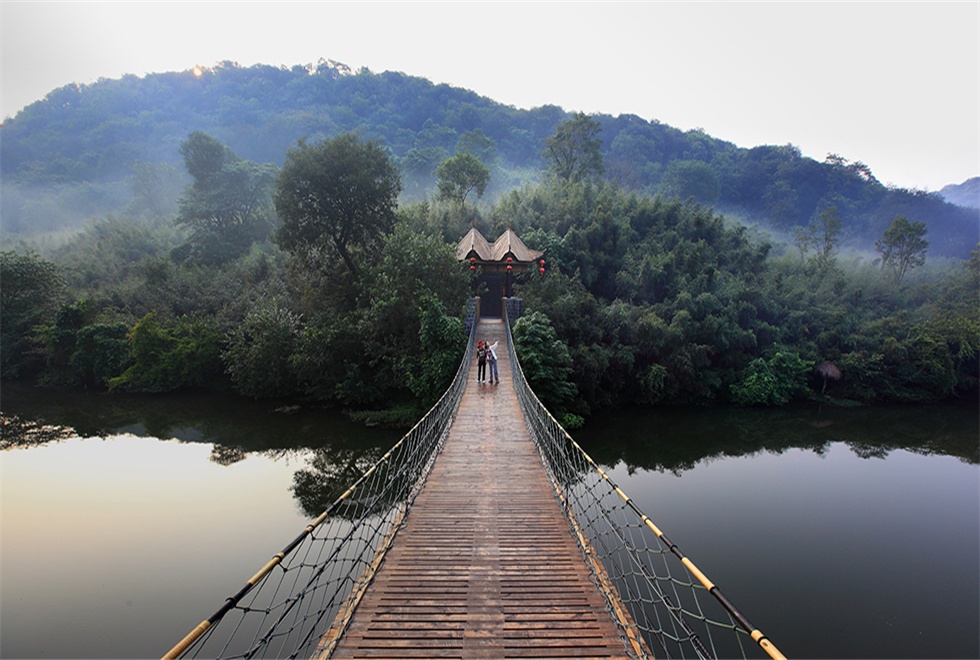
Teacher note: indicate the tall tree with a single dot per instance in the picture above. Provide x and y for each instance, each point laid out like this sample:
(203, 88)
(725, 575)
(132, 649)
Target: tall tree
(204, 156)
(229, 204)
(574, 149)
(828, 234)
(460, 175)
(822, 236)
(902, 246)
(30, 291)
(336, 197)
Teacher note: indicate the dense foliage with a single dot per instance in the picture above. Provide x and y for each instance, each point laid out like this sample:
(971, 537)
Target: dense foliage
(354, 301)
(336, 199)
(29, 291)
(88, 150)
(460, 175)
(664, 302)
(227, 206)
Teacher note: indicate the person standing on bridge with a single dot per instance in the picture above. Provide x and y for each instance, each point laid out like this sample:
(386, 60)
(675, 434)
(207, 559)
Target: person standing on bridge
(492, 359)
(481, 362)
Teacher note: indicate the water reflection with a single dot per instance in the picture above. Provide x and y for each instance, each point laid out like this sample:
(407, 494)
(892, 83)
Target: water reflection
(329, 472)
(18, 432)
(336, 451)
(675, 440)
(807, 529)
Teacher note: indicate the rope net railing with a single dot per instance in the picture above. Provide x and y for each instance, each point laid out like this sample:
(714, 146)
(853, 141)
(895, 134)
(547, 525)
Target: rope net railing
(665, 605)
(299, 603)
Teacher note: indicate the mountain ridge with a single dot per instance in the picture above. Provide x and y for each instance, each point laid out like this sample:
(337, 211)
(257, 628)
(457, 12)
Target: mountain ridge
(966, 194)
(91, 135)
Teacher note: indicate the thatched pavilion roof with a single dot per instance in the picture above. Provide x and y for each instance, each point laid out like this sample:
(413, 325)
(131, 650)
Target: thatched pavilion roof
(508, 244)
(473, 245)
(828, 370)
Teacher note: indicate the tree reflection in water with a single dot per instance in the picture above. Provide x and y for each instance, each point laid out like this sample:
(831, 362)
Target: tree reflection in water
(676, 439)
(330, 472)
(338, 450)
(228, 454)
(17, 432)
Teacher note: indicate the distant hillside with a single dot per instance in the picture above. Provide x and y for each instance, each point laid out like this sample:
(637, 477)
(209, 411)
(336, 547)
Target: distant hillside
(72, 156)
(965, 194)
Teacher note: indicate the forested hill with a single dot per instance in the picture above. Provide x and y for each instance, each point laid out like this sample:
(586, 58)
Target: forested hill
(964, 194)
(84, 147)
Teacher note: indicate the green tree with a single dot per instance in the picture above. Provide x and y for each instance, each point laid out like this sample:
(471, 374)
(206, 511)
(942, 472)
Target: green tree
(546, 362)
(59, 341)
(402, 323)
(259, 352)
(902, 246)
(398, 339)
(30, 288)
(430, 369)
(459, 176)
(829, 237)
(101, 353)
(823, 237)
(804, 240)
(166, 356)
(772, 382)
(204, 156)
(228, 206)
(573, 150)
(337, 197)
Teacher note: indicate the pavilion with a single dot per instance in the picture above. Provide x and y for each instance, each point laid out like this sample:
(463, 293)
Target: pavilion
(495, 264)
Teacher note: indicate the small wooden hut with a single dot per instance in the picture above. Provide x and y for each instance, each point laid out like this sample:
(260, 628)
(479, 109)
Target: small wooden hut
(495, 265)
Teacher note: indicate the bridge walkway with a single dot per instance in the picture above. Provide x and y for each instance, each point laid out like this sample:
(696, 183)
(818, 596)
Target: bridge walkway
(485, 565)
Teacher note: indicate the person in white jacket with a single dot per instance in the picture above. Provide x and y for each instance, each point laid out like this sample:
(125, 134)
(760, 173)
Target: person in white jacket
(492, 362)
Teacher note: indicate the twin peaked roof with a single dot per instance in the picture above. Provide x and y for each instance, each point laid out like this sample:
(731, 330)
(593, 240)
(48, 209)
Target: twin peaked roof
(508, 245)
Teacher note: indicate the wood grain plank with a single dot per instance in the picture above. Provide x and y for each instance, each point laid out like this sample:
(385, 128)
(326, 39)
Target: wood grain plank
(485, 565)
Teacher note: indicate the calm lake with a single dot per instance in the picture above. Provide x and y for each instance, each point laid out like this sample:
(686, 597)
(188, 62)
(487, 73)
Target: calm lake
(841, 533)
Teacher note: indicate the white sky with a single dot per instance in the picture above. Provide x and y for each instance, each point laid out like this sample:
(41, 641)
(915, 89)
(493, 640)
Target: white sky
(895, 85)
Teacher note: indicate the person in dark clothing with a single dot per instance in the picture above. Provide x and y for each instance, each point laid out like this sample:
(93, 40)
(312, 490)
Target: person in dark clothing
(481, 362)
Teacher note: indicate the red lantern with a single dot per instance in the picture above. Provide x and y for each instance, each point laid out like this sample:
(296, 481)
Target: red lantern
(541, 270)
(472, 267)
(509, 268)
(542, 263)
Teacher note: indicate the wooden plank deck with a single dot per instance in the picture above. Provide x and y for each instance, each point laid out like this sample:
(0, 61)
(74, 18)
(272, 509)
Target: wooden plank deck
(485, 566)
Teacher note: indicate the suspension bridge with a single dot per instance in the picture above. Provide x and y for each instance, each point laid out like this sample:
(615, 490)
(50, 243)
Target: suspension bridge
(485, 532)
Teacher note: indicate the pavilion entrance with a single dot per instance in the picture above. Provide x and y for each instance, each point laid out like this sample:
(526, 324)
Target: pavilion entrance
(495, 265)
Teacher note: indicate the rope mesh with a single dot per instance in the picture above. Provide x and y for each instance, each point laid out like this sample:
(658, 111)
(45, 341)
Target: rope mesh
(311, 586)
(299, 603)
(676, 610)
